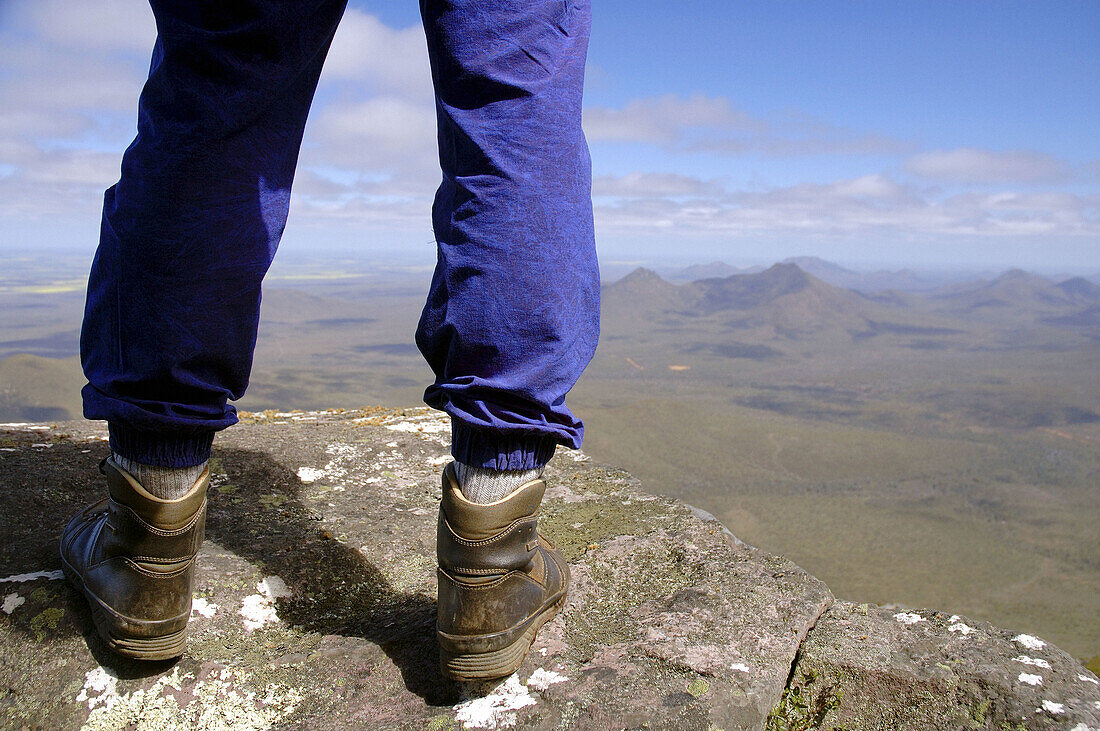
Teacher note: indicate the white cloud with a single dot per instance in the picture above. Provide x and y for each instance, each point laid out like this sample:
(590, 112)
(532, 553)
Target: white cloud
(106, 25)
(382, 132)
(367, 50)
(664, 119)
(73, 72)
(68, 104)
(713, 124)
(875, 206)
(974, 165)
(653, 185)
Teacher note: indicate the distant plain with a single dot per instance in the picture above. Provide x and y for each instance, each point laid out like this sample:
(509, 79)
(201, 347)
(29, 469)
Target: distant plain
(925, 442)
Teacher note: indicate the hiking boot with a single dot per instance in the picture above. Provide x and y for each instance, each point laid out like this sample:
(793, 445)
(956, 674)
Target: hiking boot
(132, 556)
(499, 580)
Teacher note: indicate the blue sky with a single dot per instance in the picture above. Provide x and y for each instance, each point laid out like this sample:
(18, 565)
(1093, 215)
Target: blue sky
(920, 134)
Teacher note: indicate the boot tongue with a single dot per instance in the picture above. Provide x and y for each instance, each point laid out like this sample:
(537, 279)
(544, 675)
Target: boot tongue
(474, 521)
(162, 514)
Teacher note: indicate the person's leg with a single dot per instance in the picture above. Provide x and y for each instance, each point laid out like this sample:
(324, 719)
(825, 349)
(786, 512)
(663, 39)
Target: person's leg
(173, 296)
(192, 225)
(512, 317)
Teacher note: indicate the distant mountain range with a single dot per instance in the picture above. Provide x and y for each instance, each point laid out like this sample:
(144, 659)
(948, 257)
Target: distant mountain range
(902, 280)
(1022, 297)
(791, 301)
(795, 308)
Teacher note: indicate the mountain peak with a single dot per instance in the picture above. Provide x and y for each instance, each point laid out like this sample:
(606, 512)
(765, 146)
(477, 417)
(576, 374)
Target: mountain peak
(641, 274)
(1081, 288)
(1017, 275)
(787, 274)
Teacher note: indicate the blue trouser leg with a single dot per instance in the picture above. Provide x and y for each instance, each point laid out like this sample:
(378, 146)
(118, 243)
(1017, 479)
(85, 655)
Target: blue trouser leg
(191, 227)
(192, 224)
(512, 317)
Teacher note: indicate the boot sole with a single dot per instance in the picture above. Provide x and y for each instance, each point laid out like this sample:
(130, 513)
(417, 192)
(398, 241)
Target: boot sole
(166, 647)
(498, 663)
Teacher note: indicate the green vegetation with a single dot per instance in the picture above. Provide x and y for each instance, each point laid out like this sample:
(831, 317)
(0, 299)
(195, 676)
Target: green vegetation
(804, 706)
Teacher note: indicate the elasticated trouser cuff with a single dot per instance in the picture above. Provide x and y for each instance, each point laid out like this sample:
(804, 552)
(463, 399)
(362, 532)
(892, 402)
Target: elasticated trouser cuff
(496, 450)
(159, 449)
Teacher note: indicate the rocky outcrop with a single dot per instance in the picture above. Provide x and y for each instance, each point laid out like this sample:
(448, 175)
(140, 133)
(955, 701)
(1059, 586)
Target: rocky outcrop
(315, 608)
(866, 667)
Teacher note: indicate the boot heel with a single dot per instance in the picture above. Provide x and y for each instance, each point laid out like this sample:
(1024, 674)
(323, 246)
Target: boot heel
(165, 647)
(157, 648)
(498, 663)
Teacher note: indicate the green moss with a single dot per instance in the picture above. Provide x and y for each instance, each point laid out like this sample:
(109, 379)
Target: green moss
(45, 620)
(980, 711)
(575, 527)
(272, 500)
(804, 705)
(42, 595)
(440, 723)
(654, 569)
(698, 687)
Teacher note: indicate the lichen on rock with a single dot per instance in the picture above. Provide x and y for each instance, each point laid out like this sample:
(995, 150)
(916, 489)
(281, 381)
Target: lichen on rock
(314, 607)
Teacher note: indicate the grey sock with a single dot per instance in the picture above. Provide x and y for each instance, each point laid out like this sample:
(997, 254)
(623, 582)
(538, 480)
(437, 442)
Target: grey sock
(480, 485)
(167, 483)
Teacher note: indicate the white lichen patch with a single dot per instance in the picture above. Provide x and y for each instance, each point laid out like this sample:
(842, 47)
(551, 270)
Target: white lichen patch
(497, 709)
(908, 617)
(200, 605)
(429, 423)
(1031, 643)
(542, 679)
(219, 701)
(1030, 679)
(257, 612)
(100, 688)
(273, 588)
(740, 667)
(416, 427)
(310, 474)
(579, 456)
(343, 456)
(959, 626)
(1036, 661)
(259, 609)
(12, 602)
(1055, 708)
(24, 426)
(1087, 679)
(440, 460)
(20, 578)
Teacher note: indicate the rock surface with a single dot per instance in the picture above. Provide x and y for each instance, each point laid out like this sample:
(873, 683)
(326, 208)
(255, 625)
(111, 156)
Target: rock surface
(866, 667)
(314, 608)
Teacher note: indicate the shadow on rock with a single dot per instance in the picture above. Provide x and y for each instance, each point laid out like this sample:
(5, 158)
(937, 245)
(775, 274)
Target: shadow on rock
(336, 590)
(46, 480)
(257, 515)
